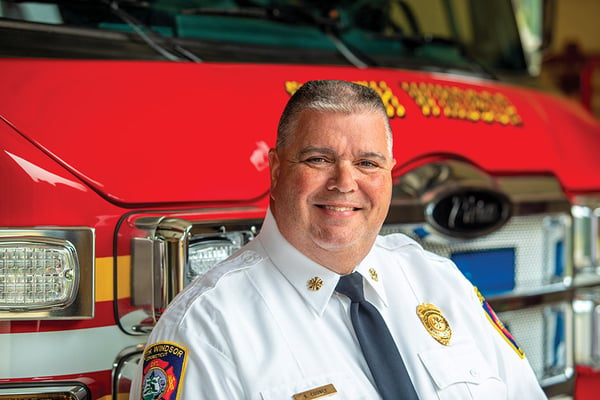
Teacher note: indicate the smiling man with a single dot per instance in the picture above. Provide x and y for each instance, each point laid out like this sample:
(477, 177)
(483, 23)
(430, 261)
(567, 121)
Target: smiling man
(331, 180)
(319, 305)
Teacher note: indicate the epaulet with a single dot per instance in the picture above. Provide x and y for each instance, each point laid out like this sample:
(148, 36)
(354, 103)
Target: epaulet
(202, 284)
(396, 240)
(498, 325)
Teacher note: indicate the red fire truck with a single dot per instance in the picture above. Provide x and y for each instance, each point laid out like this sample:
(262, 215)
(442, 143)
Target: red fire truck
(133, 142)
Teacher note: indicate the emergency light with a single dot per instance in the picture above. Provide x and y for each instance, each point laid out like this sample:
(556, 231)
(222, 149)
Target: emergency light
(47, 273)
(37, 273)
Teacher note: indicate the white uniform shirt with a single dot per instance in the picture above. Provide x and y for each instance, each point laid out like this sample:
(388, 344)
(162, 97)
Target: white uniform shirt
(253, 329)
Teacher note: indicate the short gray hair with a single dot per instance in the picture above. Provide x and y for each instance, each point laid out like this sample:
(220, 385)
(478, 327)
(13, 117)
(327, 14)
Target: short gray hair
(330, 96)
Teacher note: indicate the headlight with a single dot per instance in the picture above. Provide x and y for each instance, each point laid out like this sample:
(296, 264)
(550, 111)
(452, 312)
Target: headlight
(205, 253)
(37, 273)
(47, 273)
(173, 253)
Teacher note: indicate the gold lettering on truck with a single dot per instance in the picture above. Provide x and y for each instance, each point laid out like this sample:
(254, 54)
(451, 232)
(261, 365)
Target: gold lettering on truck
(392, 105)
(437, 100)
(466, 104)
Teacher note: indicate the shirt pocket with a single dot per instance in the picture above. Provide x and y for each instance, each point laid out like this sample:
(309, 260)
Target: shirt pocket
(461, 372)
(327, 386)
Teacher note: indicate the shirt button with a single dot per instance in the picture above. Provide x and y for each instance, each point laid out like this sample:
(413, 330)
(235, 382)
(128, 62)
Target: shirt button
(250, 257)
(474, 373)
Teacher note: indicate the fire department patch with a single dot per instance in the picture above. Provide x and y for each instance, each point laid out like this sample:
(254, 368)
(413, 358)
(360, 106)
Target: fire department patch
(493, 318)
(164, 367)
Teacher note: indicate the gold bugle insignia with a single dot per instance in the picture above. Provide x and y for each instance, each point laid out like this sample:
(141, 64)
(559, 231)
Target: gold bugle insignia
(316, 393)
(435, 323)
(374, 275)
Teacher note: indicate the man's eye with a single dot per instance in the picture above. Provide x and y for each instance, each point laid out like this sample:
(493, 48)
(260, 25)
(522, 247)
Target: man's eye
(368, 164)
(315, 160)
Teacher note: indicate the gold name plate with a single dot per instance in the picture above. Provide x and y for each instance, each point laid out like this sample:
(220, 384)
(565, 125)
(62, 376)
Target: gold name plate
(316, 393)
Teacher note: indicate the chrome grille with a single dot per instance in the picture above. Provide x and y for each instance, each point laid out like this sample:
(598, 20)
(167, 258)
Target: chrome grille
(535, 240)
(542, 333)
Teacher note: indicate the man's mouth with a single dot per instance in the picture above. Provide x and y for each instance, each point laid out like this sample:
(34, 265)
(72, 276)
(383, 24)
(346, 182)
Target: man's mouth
(337, 208)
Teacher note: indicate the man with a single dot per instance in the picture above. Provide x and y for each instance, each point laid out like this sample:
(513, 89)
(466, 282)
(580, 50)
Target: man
(273, 323)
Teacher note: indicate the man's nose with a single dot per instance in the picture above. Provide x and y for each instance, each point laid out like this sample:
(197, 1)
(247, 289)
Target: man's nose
(343, 177)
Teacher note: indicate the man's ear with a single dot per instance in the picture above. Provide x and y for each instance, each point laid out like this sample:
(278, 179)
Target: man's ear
(274, 164)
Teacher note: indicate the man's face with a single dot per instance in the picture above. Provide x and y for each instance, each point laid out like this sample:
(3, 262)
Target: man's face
(331, 186)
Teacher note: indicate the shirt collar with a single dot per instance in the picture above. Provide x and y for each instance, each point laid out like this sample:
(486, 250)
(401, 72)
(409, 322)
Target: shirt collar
(373, 273)
(312, 281)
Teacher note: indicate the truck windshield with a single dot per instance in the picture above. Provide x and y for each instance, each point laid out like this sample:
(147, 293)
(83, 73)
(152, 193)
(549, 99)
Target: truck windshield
(444, 35)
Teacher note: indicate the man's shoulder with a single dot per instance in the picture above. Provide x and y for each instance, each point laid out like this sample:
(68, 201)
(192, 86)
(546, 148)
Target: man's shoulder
(229, 275)
(395, 240)
(422, 267)
(401, 243)
(209, 298)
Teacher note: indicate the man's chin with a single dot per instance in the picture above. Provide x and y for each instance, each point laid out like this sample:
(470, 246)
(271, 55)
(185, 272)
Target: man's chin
(336, 241)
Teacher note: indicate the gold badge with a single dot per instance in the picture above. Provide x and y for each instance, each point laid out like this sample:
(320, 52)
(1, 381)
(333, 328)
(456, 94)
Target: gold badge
(315, 283)
(435, 323)
(374, 275)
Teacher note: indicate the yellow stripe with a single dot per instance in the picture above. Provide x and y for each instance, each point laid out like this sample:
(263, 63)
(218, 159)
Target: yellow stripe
(104, 278)
(517, 350)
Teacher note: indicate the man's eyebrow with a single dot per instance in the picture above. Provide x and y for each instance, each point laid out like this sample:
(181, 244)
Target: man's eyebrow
(373, 154)
(328, 151)
(314, 149)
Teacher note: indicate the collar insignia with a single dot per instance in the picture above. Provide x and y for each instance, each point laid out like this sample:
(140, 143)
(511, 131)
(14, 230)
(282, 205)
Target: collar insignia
(374, 275)
(315, 283)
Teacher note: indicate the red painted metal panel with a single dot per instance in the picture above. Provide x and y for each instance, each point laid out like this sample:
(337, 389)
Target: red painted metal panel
(144, 133)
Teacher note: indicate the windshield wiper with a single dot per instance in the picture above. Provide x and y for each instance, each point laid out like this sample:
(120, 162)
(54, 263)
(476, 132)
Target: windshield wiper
(290, 15)
(141, 30)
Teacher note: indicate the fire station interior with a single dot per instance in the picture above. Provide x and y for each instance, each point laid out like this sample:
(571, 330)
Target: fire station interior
(571, 66)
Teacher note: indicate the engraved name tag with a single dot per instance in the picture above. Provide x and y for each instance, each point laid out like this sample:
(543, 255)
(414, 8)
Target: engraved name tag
(316, 393)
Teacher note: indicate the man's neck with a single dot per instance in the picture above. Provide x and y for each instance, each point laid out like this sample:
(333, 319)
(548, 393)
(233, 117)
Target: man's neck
(343, 261)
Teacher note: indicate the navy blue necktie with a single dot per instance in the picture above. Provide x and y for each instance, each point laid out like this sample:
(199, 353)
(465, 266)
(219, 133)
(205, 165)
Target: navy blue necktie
(376, 342)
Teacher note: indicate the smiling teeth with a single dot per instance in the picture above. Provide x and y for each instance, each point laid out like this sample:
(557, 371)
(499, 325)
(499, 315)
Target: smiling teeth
(338, 208)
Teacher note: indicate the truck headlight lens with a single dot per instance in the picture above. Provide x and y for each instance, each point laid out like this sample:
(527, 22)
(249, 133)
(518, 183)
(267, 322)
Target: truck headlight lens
(37, 273)
(203, 254)
(174, 252)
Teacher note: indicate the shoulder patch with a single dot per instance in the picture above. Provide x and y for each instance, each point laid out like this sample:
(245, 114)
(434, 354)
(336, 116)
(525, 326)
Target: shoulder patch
(498, 325)
(163, 371)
